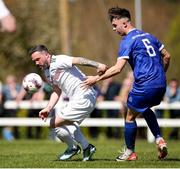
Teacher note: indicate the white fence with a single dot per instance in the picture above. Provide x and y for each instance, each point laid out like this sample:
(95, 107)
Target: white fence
(98, 122)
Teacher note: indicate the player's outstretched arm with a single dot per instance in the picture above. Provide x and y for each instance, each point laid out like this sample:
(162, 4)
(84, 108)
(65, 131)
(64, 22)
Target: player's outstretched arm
(166, 58)
(43, 114)
(101, 68)
(112, 71)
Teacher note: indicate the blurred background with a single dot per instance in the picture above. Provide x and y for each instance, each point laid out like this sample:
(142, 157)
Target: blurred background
(81, 28)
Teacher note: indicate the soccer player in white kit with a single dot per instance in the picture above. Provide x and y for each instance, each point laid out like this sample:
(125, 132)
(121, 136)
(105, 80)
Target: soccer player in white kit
(61, 72)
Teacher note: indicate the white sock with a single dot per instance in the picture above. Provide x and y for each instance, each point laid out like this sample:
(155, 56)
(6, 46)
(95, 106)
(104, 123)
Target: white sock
(158, 139)
(64, 135)
(78, 135)
(129, 151)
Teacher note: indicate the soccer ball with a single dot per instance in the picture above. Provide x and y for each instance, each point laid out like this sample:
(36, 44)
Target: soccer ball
(32, 82)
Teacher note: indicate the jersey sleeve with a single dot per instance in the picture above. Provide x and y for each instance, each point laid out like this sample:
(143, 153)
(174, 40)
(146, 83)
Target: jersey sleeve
(124, 50)
(63, 61)
(158, 43)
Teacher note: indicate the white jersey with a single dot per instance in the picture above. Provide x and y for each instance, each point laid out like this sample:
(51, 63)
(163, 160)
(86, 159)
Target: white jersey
(68, 77)
(3, 10)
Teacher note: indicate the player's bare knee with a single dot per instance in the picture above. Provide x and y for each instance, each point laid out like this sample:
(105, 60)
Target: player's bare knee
(130, 118)
(54, 125)
(131, 115)
(54, 122)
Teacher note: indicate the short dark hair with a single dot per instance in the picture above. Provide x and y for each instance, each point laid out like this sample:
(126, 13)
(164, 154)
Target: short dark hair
(174, 80)
(36, 48)
(119, 13)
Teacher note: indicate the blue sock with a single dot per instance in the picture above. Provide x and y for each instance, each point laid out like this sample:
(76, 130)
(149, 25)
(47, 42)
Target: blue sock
(130, 134)
(151, 120)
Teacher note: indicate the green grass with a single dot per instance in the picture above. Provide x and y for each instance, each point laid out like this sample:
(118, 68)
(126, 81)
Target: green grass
(43, 154)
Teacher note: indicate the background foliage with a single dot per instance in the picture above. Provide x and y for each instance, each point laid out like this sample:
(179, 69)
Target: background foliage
(90, 33)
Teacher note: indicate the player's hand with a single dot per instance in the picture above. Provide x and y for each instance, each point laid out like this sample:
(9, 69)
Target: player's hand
(43, 114)
(102, 69)
(90, 80)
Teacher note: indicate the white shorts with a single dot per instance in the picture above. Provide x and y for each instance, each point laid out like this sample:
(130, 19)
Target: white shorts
(78, 109)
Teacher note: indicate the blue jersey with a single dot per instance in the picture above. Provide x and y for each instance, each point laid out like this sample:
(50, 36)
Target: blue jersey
(143, 53)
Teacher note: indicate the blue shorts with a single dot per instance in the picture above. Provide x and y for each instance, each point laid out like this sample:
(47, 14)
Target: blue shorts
(140, 102)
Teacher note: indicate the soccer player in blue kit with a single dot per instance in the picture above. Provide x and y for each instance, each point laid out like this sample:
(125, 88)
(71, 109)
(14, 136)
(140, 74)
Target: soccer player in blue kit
(149, 61)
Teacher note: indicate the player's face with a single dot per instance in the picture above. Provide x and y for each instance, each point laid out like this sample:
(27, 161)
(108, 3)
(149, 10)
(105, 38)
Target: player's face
(40, 59)
(173, 84)
(119, 26)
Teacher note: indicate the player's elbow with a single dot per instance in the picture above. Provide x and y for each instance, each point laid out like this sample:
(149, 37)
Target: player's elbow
(167, 58)
(166, 61)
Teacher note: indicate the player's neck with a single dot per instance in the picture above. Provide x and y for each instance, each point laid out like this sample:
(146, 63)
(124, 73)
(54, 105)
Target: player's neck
(49, 59)
(130, 29)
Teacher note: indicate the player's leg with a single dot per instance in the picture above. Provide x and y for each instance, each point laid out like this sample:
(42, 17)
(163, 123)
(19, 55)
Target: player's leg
(130, 129)
(152, 123)
(64, 135)
(154, 97)
(151, 120)
(88, 149)
(136, 104)
(77, 135)
(76, 111)
(130, 137)
(62, 132)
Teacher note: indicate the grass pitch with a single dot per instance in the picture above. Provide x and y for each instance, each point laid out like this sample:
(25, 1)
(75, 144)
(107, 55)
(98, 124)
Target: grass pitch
(43, 154)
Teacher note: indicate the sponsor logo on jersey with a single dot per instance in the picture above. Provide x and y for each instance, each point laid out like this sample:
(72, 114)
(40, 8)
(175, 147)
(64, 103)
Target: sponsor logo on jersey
(53, 60)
